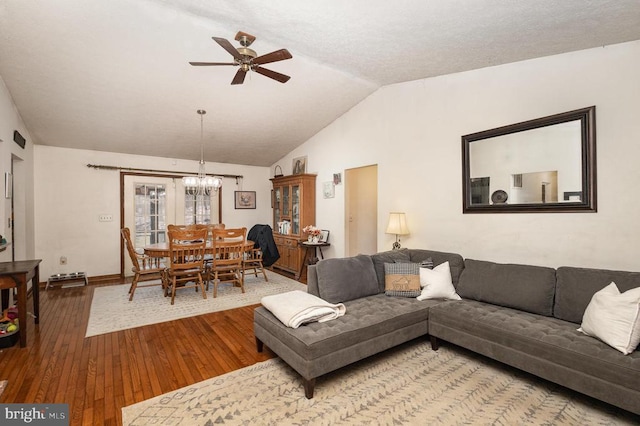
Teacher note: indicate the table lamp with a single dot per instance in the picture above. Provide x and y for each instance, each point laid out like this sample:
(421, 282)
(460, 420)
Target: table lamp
(398, 226)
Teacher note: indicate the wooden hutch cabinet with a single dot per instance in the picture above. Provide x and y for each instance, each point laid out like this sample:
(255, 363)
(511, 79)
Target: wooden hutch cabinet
(294, 207)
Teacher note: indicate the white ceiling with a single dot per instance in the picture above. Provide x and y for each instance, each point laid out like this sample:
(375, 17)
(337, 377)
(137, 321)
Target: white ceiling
(113, 75)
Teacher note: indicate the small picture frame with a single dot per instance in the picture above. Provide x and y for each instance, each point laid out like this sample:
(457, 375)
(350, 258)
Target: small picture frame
(337, 178)
(299, 165)
(324, 236)
(245, 199)
(328, 190)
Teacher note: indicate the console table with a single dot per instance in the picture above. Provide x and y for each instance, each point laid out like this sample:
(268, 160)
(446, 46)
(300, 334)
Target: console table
(17, 275)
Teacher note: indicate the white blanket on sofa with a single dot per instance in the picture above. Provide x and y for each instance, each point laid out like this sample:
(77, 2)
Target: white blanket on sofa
(297, 307)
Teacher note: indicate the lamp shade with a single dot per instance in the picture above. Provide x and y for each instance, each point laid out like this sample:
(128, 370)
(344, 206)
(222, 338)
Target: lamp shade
(397, 224)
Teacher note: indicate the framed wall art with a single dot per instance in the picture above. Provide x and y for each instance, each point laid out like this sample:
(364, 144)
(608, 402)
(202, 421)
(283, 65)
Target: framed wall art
(299, 165)
(245, 199)
(328, 190)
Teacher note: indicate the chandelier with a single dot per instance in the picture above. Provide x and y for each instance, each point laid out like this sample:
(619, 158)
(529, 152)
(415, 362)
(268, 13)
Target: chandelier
(201, 184)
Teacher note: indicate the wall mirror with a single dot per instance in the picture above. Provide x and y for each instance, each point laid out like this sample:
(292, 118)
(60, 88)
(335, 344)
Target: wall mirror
(542, 165)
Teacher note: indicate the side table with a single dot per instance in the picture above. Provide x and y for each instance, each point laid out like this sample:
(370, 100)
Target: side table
(311, 258)
(17, 274)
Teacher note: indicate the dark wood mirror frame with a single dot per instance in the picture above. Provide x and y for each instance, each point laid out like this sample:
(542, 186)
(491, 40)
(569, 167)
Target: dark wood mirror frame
(587, 202)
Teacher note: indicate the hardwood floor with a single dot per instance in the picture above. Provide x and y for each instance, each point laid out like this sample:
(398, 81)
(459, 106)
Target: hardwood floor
(99, 375)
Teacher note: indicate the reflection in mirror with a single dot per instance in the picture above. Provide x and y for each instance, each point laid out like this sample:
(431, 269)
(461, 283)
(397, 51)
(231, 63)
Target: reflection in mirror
(535, 187)
(547, 164)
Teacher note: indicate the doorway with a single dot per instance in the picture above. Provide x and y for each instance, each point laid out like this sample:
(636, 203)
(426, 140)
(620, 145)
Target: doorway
(151, 202)
(361, 210)
(17, 220)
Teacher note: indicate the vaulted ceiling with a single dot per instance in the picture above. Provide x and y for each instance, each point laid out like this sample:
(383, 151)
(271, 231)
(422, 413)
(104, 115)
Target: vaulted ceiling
(113, 75)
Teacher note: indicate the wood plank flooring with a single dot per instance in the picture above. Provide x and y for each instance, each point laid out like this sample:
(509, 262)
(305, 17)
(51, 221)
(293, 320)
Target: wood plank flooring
(99, 375)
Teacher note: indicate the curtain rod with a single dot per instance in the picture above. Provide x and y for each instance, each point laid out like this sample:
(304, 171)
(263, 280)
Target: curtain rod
(131, 169)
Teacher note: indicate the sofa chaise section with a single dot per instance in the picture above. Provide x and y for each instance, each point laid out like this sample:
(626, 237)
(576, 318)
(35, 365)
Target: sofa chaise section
(373, 321)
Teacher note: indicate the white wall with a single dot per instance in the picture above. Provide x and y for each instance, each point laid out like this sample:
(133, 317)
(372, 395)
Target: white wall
(413, 132)
(10, 120)
(70, 197)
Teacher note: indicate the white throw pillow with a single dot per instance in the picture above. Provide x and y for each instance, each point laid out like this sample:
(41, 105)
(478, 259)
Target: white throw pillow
(436, 283)
(614, 318)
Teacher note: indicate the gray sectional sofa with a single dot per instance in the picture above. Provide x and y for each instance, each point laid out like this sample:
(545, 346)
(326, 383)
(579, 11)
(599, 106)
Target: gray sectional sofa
(522, 315)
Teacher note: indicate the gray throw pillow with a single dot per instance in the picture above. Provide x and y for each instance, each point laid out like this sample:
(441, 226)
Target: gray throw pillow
(341, 280)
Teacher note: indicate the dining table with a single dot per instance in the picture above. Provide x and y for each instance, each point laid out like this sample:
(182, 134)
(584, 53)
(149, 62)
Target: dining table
(162, 249)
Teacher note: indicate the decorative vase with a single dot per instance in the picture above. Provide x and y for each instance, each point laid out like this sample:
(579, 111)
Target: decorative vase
(315, 239)
(310, 238)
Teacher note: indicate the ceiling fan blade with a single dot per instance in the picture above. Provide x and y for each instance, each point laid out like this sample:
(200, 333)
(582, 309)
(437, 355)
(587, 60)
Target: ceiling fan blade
(226, 45)
(278, 55)
(206, 64)
(272, 74)
(239, 77)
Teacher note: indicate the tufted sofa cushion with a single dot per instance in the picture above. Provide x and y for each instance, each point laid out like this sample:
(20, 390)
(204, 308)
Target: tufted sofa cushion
(456, 262)
(349, 278)
(576, 286)
(543, 337)
(391, 256)
(525, 287)
(366, 319)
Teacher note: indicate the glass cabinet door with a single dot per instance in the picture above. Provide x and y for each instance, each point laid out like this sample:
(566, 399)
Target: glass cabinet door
(295, 209)
(277, 206)
(285, 201)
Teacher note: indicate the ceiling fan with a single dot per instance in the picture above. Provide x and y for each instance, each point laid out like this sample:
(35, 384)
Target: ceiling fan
(248, 59)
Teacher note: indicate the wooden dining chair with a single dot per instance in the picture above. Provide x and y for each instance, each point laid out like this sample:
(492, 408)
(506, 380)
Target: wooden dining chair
(208, 258)
(226, 266)
(214, 226)
(186, 259)
(144, 268)
(252, 260)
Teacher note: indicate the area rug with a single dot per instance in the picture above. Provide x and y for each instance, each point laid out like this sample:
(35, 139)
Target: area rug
(410, 385)
(111, 310)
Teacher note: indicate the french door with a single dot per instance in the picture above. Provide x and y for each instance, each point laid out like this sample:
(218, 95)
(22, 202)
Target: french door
(149, 206)
(150, 203)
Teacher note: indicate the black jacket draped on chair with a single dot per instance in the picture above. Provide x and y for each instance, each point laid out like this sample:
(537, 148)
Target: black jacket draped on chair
(262, 236)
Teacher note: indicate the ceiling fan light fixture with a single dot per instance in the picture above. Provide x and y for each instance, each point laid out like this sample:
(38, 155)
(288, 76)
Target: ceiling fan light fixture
(248, 59)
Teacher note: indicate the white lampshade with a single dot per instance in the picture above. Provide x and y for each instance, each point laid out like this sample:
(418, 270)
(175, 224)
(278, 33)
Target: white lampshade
(397, 224)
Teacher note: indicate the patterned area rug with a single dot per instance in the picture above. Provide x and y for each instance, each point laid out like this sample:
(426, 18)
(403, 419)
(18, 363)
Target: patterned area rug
(410, 385)
(111, 310)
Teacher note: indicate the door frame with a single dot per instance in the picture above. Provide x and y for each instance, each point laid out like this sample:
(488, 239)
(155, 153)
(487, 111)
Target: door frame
(354, 200)
(122, 201)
